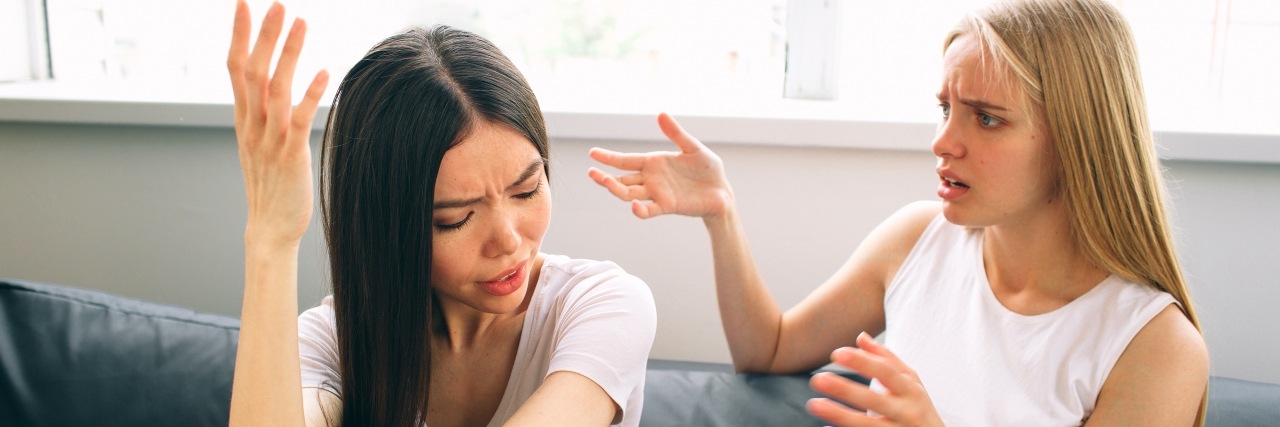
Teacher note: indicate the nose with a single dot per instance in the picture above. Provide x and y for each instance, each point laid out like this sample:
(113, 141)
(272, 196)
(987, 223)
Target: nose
(505, 237)
(948, 141)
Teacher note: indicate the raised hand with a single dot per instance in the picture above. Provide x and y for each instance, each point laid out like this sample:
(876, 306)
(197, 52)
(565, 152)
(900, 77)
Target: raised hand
(903, 403)
(275, 157)
(272, 135)
(689, 182)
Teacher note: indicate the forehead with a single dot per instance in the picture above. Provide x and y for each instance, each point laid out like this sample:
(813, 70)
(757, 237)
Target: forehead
(973, 71)
(491, 155)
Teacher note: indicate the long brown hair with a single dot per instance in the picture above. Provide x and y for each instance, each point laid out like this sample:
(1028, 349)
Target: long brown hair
(1076, 59)
(400, 108)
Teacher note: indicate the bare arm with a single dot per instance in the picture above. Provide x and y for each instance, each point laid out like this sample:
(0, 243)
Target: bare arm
(851, 301)
(566, 399)
(276, 160)
(761, 337)
(1160, 378)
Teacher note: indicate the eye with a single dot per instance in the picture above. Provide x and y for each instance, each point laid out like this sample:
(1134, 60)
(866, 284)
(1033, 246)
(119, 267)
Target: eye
(529, 195)
(946, 110)
(988, 121)
(456, 225)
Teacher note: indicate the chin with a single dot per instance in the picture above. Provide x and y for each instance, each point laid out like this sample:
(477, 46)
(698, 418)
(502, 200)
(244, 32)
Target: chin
(503, 304)
(958, 216)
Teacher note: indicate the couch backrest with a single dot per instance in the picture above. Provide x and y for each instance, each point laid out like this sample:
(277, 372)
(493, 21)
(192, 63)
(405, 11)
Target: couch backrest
(78, 357)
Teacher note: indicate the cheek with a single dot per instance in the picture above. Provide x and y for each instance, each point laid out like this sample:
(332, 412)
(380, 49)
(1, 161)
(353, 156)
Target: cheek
(446, 262)
(537, 222)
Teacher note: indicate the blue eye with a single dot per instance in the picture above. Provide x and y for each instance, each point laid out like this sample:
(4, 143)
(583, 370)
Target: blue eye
(988, 121)
(946, 110)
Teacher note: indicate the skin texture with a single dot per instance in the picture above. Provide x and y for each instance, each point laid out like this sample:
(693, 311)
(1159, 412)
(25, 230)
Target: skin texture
(504, 232)
(995, 171)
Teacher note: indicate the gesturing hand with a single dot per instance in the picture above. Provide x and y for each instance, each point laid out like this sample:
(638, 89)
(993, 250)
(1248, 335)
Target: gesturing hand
(271, 134)
(689, 182)
(904, 402)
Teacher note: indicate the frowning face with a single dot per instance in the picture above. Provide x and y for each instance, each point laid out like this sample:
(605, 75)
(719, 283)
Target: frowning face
(995, 156)
(492, 209)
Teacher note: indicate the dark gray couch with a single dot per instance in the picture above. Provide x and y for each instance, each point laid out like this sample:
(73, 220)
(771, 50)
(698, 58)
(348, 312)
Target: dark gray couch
(72, 357)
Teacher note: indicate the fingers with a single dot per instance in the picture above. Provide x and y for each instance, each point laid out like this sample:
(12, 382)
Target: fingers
(847, 391)
(646, 210)
(874, 366)
(870, 345)
(238, 53)
(305, 112)
(279, 91)
(620, 189)
(259, 65)
(624, 161)
(687, 143)
(840, 415)
(627, 188)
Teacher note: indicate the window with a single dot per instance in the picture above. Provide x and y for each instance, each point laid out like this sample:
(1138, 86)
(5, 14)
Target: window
(22, 41)
(1209, 65)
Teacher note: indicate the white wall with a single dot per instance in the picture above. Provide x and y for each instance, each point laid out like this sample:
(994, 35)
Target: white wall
(158, 213)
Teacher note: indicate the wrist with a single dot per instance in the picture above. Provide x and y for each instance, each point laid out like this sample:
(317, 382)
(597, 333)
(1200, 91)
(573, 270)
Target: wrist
(260, 242)
(723, 219)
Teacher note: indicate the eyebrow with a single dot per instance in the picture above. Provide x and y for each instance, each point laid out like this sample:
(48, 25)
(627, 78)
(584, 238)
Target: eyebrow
(529, 171)
(975, 103)
(982, 105)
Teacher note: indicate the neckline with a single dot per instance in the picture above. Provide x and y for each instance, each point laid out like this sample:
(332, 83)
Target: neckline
(990, 295)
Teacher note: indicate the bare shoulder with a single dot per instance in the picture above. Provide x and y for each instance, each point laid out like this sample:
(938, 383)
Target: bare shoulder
(909, 222)
(890, 242)
(1160, 378)
(871, 267)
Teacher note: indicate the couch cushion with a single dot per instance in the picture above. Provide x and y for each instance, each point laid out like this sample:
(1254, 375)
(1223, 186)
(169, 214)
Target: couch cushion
(79, 357)
(1239, 403)
(711, 394)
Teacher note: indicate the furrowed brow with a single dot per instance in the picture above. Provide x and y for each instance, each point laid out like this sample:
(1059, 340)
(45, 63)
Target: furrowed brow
(533, 168)
(982, 105)
(529, 171)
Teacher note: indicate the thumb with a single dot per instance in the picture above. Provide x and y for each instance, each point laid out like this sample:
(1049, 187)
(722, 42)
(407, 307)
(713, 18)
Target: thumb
(683, 140)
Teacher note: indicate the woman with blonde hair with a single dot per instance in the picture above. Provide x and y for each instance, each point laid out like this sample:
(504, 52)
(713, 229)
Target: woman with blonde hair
(1042, 290)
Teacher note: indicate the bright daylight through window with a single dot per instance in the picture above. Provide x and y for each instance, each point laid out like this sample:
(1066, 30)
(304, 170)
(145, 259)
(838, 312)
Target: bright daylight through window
(1209, 65)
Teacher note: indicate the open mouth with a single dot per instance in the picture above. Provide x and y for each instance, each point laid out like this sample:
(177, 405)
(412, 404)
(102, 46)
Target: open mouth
(953, 183)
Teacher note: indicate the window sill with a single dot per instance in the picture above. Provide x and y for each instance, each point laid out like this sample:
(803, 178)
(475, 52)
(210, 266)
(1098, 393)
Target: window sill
(790, 123)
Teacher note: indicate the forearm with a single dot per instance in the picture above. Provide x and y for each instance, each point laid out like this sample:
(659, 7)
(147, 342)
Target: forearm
(751, 318)
(267, 387)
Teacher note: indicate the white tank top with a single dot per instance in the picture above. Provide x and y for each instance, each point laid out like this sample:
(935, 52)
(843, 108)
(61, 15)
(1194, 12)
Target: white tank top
(984, 365)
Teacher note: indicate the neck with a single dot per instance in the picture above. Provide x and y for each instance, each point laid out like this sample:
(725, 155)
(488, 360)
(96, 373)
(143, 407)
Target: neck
(465, 327)
(1036, 266)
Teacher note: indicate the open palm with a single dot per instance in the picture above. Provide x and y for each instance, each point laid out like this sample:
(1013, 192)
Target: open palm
(689, 182)
(272, 135)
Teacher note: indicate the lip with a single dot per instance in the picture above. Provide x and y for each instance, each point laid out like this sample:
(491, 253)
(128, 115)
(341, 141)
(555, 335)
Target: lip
(946, 190)
(506, 282)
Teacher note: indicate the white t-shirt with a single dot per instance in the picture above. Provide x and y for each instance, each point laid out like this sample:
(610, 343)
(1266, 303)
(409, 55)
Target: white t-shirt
(588, 317)
(984, 365)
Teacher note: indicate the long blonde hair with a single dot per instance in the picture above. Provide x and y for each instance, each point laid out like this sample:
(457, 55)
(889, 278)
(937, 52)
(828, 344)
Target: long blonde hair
(1076, 59)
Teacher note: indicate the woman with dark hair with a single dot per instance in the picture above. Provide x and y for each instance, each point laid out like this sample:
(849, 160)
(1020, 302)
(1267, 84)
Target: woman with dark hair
(435, 200)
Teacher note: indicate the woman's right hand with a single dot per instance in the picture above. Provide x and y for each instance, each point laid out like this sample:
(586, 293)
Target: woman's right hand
(272, 135)
(689, 182)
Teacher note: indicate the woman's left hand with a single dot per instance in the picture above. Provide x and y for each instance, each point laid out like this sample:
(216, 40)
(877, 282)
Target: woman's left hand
(904, 402)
